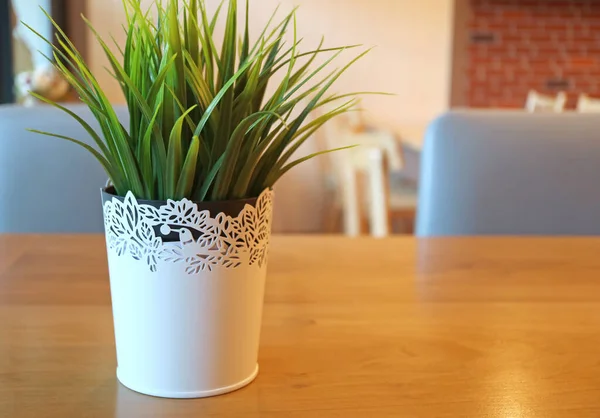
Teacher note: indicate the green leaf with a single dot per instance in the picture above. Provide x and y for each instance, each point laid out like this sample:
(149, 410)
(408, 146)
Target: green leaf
(309, 130)
(283, 62)
(244, 179)
(213, 22)
(235, 140)
(288, 167)
(225, 176)
(245, 50)
(220, 95)
(174, 158)
(281, 143)
(208, 181)
(145, 157)
(192, 33)
(123, 77)
(208, 46)
(186, 179)
(99, 142)
(204, 162)
(273, 50)
(175, 45)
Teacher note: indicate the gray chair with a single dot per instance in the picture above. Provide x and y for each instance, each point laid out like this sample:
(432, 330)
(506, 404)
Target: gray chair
(510, 173)
(48, 185)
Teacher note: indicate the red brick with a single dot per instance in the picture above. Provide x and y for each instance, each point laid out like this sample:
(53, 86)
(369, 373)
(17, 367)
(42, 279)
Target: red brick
(499, 26)
(476, 26)
(527, 49)
(544, 14)
(558, 4)
(496, 72)
(529, 3)
(582, 62)
(541, 75)
(514, 14)
(482, 14)
(540, 60)
(573, 49)
(578, 74)
(530, 24)
(581, 27)
(556, 26)
(593, 23)
(539, 37)
(549, 50)
(510, 62)
(477, 48)
(593, 51)
(512, 37)
(509, 104)
(537, 40)
(584, 85)
(479, 85)
(481, 61)
(501, 51)
(502, 2)
(582, 38)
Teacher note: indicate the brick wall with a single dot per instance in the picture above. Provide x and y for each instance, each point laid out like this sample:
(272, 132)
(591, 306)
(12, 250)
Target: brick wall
(517, 45)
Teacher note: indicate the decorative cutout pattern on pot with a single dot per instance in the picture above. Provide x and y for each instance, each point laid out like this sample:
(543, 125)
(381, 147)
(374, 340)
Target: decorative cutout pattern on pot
(224, 241)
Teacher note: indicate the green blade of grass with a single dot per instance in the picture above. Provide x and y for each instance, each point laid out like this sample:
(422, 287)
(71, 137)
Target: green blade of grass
(99, 142)
(279, 146)
(145, 157)
(188, 171)
(225, 176)
(243, 183)
(235, 141)
(288, 167)
(202, 192)
(175, 43)
(308, 131)
(220, 94)
(174, 158)
(192, 35)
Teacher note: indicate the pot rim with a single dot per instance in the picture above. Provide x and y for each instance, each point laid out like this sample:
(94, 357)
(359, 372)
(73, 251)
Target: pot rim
(248, 200)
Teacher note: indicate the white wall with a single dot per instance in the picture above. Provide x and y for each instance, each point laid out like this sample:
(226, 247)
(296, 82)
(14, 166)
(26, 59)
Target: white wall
(412, 58)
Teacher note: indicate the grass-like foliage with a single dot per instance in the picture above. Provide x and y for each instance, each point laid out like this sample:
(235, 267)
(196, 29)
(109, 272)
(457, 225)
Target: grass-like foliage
(201, 123)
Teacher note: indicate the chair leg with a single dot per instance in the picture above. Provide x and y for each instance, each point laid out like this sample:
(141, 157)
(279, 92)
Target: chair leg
(378, 194)
(351, 203)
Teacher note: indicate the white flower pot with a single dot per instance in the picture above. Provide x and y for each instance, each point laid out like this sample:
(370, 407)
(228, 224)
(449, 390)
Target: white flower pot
(187, 312)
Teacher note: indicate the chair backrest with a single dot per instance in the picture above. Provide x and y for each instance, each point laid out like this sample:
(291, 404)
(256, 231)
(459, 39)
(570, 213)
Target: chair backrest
(49, 185)
(587, 104)
(509, 173)
(537, 102)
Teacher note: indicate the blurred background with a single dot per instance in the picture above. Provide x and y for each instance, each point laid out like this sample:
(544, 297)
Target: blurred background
(531, 55)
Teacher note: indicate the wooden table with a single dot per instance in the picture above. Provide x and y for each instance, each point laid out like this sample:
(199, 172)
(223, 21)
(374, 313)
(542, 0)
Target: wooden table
(458, 327)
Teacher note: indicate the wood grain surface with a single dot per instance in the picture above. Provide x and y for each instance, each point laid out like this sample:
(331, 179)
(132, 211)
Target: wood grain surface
(454, 327)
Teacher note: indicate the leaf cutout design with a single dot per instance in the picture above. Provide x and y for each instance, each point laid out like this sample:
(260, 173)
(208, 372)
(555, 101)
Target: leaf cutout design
(136, 252)
(224, 242)
(150, 215)
(171, 254)
(183, 213)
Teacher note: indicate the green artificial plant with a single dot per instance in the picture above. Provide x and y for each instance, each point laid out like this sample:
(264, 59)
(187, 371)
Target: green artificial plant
(201, 123)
